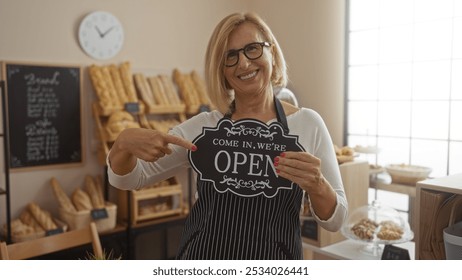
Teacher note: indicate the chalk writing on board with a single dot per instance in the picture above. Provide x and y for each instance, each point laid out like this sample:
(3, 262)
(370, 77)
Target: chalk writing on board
(44, 114)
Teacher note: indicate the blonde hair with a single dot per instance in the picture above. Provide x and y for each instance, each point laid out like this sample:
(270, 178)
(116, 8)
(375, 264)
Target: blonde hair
(220, 93)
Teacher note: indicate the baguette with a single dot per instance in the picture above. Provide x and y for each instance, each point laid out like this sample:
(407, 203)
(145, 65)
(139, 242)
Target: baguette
(43, 217)
(158, 91)
(144, 90)
(63, 200)
(19, 229)
(127, 80)
(27, 219)
(81, 200)
(99, 187)
(118, 84)
(99, 85)
(90, 188)
(169, 88)
(106, 75)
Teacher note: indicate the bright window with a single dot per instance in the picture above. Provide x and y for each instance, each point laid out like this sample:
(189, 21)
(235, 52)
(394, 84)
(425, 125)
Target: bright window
(404, 82)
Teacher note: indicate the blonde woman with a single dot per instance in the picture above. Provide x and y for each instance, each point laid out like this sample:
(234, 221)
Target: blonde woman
(243, 64)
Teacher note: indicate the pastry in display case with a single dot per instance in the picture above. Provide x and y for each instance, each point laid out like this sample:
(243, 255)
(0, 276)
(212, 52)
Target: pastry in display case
(376, 225)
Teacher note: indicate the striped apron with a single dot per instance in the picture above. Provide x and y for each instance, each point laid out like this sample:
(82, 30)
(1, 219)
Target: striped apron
(229, 226)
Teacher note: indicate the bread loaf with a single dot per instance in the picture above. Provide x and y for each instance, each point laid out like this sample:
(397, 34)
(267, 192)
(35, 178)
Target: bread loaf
(186, 88)
(106, 75)
(27, 219)
(118, 84)
(63, 200)
(127, 80)
(81, 200)
(144, 89)
(158, 91)
(100, 187)
(90, 188)
(43, 217)
(100, 87)
(19, 229)
(169, 89)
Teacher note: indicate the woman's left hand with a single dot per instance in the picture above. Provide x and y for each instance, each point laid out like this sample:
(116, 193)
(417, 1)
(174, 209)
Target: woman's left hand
(302, 168)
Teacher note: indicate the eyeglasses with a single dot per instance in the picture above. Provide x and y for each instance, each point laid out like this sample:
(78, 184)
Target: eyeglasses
(252, 51)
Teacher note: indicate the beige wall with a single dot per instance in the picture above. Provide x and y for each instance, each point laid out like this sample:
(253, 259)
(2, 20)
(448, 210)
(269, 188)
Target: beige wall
(311, 34)
(162, 35)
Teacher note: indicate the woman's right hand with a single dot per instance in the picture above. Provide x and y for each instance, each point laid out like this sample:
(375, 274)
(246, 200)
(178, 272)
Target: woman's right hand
(146, 144)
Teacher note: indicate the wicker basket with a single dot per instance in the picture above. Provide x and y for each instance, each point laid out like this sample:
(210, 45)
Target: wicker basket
(82, 219)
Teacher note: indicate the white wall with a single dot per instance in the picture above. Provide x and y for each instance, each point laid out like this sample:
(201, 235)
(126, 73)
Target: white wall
(162, 35)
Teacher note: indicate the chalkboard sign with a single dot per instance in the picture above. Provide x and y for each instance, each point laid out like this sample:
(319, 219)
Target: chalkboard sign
(44, 114)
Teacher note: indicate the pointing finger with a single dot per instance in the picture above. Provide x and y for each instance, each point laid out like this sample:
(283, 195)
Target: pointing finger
(172, 139)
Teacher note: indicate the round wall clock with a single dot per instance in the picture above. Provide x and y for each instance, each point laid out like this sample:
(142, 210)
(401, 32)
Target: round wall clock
(101, 35)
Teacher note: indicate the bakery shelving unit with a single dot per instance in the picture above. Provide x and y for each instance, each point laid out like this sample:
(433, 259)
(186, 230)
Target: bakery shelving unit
(126, 99)
(6, 158)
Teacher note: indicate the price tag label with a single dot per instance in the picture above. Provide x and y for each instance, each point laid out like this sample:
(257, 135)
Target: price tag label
(391, 252)
(54, 231)
(132, 107)
(98, 214)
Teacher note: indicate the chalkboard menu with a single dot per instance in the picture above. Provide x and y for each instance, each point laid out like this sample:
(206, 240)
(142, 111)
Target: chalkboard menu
(44, 114)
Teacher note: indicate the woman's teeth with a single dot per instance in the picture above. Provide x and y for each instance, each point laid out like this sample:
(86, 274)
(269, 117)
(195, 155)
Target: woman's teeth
(248, 76)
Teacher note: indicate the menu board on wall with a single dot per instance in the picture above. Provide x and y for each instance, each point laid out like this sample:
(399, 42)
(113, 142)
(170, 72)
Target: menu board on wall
(44, 114)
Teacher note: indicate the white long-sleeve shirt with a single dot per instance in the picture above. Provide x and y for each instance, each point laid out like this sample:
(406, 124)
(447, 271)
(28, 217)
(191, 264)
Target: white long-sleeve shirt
(306, 123)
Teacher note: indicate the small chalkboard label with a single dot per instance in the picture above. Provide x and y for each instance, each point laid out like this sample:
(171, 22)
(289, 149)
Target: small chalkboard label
(132, 107)
(98, 214)
(391, 252)
(54, 231)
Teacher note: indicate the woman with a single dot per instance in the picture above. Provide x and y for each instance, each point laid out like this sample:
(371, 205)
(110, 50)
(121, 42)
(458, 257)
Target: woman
(243, 64)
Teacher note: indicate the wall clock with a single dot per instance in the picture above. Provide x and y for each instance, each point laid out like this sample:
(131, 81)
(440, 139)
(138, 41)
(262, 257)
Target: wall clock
(101, 35)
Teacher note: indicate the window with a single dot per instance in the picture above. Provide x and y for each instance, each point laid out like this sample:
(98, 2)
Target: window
(404, 82)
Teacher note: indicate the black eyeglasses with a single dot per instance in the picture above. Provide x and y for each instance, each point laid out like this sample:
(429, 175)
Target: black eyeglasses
(252, 51)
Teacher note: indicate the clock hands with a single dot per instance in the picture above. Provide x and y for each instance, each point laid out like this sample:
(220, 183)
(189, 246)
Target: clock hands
(99, 32)
(107, 31)
(103, 34)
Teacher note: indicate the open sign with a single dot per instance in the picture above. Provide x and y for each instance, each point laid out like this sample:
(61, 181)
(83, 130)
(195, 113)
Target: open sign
(239, 156)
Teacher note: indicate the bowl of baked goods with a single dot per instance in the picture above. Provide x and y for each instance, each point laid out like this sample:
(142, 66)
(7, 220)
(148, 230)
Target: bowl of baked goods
(376, 224)
(407, 174)
(344, 154)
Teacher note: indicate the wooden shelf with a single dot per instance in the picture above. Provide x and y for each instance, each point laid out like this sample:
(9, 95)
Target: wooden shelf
(397, 188)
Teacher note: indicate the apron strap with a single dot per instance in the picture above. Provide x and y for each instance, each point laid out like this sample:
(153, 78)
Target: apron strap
(280, 114)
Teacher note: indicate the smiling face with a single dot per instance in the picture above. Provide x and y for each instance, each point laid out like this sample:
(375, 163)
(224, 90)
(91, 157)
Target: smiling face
(248, 76)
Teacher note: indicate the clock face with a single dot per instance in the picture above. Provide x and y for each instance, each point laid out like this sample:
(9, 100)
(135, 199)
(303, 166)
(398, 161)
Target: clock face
(101, 35)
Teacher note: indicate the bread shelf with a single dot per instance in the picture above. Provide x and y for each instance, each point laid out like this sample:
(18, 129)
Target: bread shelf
(151, 203)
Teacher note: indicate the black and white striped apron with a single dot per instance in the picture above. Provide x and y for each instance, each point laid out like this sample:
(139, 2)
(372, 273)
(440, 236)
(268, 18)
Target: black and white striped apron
(229, 226)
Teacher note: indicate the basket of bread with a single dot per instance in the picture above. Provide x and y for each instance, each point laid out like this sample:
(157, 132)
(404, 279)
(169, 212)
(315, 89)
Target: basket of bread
(85, 205)
(34, 222)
